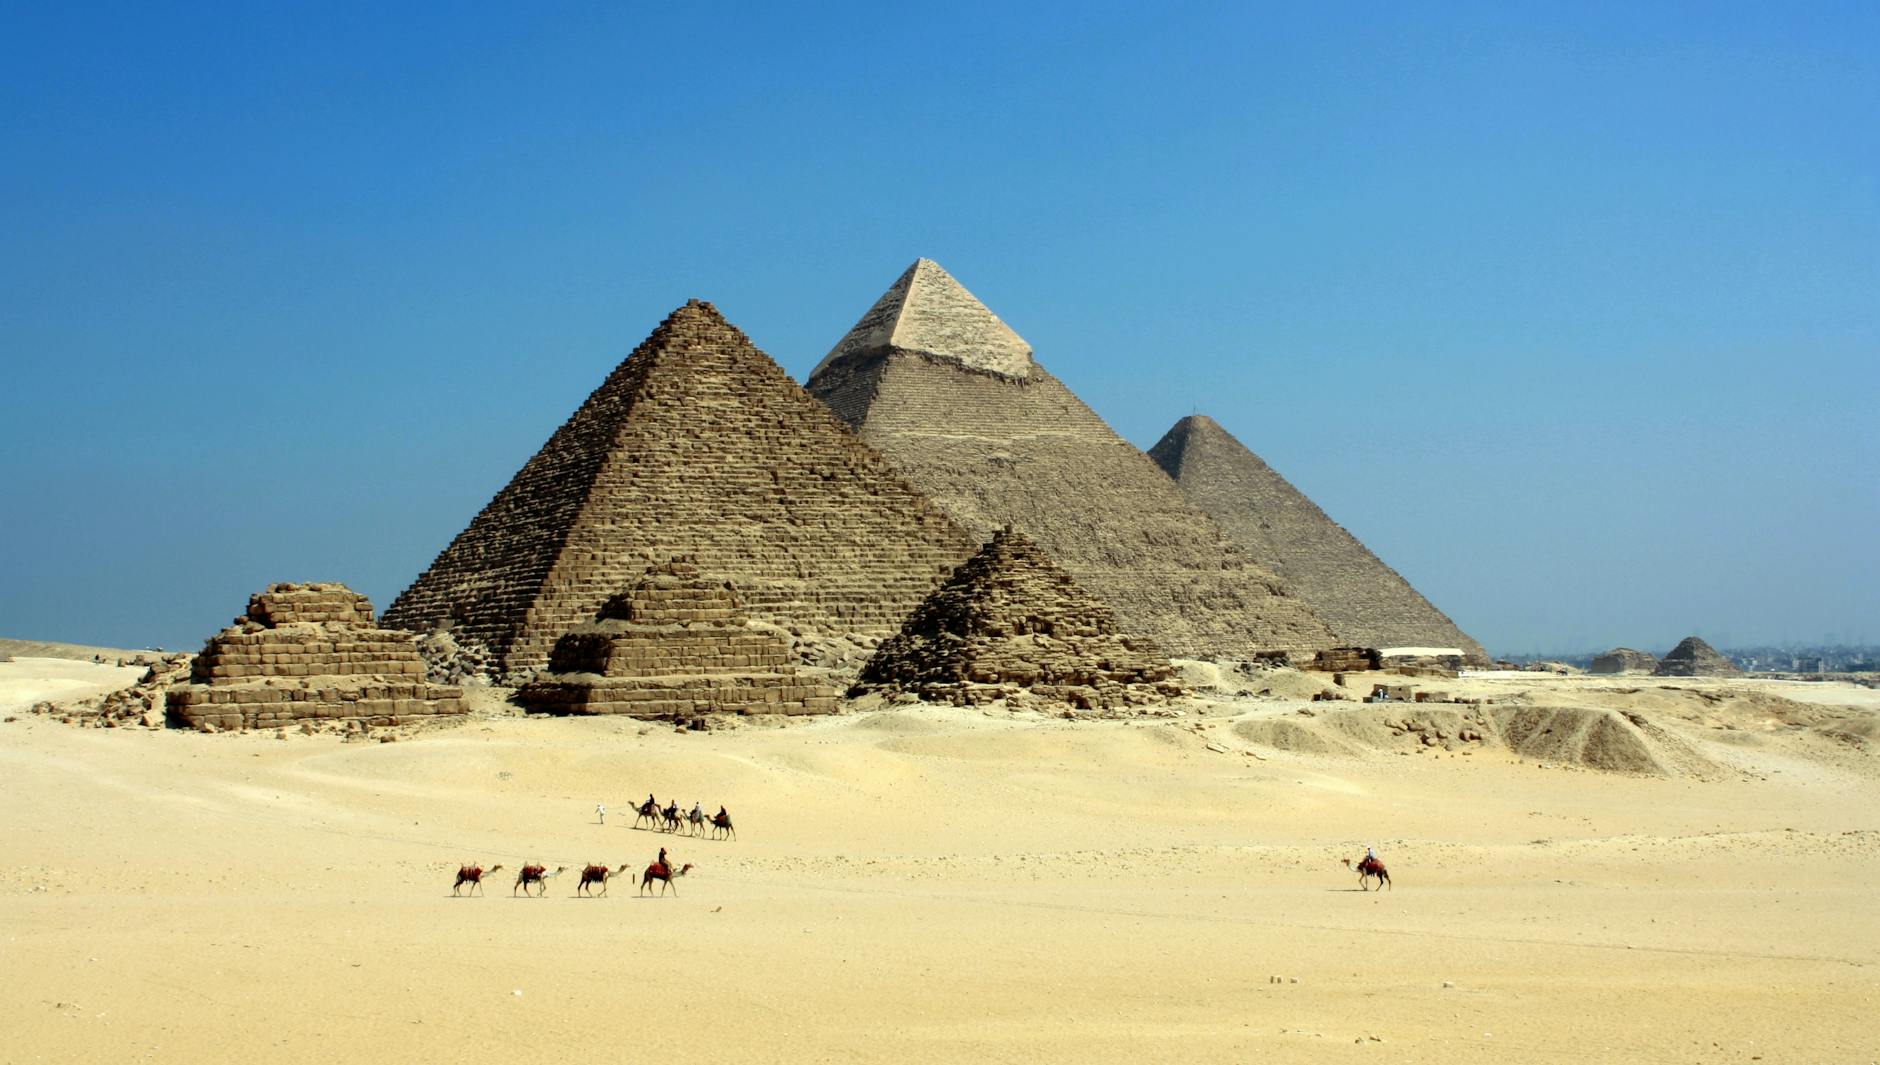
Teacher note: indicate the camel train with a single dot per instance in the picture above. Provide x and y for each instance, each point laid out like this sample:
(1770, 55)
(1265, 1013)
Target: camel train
(670, 818)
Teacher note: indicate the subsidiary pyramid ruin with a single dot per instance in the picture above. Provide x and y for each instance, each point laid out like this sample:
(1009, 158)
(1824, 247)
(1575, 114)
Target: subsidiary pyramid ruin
(677, 646)
(1010, 619)
(308, 653)
(1621, 660)
(953, 397)
(1693, 657)
(1364, 601)
(698, 445)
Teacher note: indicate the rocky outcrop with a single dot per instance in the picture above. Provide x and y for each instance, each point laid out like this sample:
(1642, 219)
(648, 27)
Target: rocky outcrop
(1009, 621)
(1623, 660)
(677, 646)
(308, 652)
(699, 445)
(1693, 657)
(957, 401)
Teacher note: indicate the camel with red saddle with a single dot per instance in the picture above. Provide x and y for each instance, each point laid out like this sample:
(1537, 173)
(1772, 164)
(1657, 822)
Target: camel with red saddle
(472, 875)
(597, 874)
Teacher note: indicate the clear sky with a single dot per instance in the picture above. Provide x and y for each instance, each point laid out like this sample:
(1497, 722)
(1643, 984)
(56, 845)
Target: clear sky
(1570, 312)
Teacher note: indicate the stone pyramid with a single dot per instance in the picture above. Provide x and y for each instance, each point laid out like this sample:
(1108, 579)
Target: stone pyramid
(1693, 657)
(676, 646)
(698, 445)
(308, 652)
(956, 401)
(1365, 602)
(1010, 619)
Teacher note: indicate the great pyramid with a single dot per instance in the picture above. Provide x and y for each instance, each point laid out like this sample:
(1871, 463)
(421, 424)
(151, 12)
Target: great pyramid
(698, 445)
(955, 400)
(1693, 657)
(1011, 619)
(1365, 602)
(676, 646)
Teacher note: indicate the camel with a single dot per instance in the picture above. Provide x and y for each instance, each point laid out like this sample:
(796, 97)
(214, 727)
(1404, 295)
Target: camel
(538, 875)
(695, 822)
(721, 822)
(669, 818)
(649, 812)
(472, 875)
(1369, 867)
(597, 874)
(661, 872)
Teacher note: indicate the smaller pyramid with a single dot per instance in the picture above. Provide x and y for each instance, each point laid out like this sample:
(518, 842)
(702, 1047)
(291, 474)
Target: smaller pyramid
(1011, 619)
(926, 312)
(677, 646)
(308, 651)
(1624, 660)
(1693, 657)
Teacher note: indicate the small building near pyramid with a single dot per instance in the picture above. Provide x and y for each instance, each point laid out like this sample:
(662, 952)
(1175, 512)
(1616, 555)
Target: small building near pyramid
(1010, 620)
(1622, 660)
(677, 646)
(309, 652)
(1693, 657)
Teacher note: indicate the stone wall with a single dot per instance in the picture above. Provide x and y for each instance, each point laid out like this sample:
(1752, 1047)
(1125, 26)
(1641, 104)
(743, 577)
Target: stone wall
(308, 652)
(697, 445)
(677, 646)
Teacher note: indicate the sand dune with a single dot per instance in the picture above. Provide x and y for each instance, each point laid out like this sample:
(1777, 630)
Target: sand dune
(956, 885)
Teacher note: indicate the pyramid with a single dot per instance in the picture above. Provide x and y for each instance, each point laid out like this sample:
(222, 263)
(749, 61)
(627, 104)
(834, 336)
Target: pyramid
(308, 652)
(1693, 657)
(1365, 602)
(956, 401)
(698, 445)
(1011, 619)
(677, 646)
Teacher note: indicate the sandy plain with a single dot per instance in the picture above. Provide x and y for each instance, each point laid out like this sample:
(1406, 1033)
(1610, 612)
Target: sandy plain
(952, 885)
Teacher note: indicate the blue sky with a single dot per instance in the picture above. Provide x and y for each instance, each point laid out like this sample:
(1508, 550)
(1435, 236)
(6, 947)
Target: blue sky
(1570, 312)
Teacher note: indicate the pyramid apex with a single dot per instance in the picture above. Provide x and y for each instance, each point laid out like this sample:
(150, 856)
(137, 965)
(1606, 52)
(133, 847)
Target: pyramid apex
(927, 312)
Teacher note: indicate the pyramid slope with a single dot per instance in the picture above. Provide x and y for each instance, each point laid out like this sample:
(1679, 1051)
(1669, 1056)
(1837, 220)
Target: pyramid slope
(1365, 602)
(927, 312)
(993, 451)
(1010, 618)
(698, 444)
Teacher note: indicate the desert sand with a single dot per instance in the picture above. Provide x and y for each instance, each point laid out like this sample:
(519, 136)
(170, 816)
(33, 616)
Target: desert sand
(941, 884)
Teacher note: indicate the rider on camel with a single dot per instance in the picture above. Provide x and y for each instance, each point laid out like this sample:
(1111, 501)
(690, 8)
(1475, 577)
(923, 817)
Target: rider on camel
(661, 862)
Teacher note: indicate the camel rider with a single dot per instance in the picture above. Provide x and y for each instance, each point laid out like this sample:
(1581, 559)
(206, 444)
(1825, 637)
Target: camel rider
(698, 811)
(1370, 855)
(663, 866)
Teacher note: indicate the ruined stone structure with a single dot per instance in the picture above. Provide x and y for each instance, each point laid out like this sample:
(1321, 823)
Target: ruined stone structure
(1693, 657)
(955, 400)
(1364, 601)
(308, 651)
(1346, 660)
(1624, 660)
(677, 646)
(698, 445)
(1010, 619)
